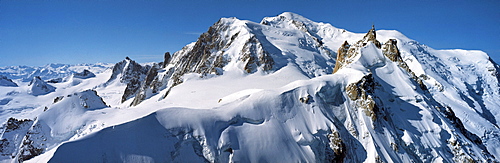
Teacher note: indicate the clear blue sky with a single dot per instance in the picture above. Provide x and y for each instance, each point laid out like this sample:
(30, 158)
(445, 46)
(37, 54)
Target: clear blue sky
(38, 32)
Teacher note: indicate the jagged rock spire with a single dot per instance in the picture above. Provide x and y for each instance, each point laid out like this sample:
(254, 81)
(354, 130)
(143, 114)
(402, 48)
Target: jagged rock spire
(166, 59)
(347, 51)
(371, 36)
(341, 56)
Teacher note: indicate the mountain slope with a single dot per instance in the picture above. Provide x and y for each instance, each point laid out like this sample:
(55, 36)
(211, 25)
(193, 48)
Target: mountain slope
(287, 89)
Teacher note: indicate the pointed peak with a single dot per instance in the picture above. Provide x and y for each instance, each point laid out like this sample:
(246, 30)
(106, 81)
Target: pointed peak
(371, 35)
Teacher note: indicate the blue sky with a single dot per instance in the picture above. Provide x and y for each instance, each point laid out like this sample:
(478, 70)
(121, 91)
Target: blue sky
(38, 32)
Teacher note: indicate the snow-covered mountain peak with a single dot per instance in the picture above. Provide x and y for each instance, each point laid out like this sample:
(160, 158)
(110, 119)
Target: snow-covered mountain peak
(40, 87)
(286, 16)
(364, 54)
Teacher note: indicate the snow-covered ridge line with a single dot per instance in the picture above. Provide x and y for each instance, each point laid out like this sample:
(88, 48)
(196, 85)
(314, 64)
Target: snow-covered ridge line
(50, 71)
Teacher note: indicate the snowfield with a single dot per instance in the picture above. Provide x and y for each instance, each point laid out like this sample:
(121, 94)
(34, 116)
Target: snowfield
(286, 89)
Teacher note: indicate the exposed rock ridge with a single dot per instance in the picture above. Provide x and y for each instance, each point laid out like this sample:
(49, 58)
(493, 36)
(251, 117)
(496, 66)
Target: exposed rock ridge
(4, 81)
(130, 73)
(362, 93)
(366, 93)
(255, 56)
(346, 53)
(85, 74)
(343, 55)
(12, 133)
(208, 56)
(371, 36)
(391, 51)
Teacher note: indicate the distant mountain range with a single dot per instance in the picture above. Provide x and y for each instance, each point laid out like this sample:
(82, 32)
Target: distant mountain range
(286, 89)
(50, 71)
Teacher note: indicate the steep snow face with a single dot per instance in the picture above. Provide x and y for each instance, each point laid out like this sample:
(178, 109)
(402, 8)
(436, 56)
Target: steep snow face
(466, 82)
(40, 87)
(327, 35)
(48, 131)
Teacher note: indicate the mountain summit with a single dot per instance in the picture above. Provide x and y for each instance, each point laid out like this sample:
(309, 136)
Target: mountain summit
(287, 89)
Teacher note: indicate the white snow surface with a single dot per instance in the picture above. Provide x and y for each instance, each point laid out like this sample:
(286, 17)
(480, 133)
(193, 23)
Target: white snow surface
(262, 117)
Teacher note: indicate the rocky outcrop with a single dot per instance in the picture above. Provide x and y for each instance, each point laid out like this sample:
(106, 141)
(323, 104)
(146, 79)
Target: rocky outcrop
(29, 148)
(55, 80)
(166, 59)
(131, 73)
(127, 70)
(254, 56)
(361, 93)
(342, 56)
(150, 85)
(85, 74)
(6, 82)
(12, 134)
(371, 36)
(391, 51)
(90, 100)
(205, 57)
(346, 53)
(338, 146)
(39, 87)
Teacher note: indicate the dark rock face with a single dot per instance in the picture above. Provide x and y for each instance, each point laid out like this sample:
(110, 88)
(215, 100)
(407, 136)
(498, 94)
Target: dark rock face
(255, 58)
(206, 56)
(200, 59)
(166, 59)
(28, 148)
(342, 55)
(126, 70)
(12, 133)
(84, 75)
(56, 80)
(371, 36)
(14, 124)
(362, 93)
(130, 73)
(4, 81)
(151, 82)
